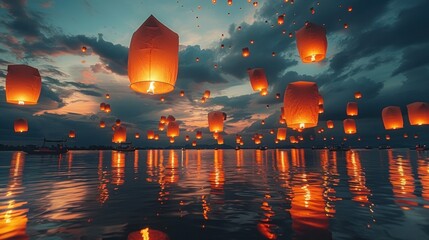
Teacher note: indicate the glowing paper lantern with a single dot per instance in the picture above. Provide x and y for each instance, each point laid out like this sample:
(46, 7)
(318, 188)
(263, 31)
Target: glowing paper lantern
(392, 117)
(156, 137)
(349, 126)
(137, 135)
(153, 58)
(358, 95)
(418, 113)
(119, 134)
(20, 125)
(293, 140)
(150, 134)
(321, 109)
(281, 19)
(72, 134)
(186, 138)
(161, 126)
(162, 119)
(206, 94)
(173, 129)
(215, 120)
(301, 105)
(281, 134)
(229, 2)
(352, 109)
(23, 84)
(107, 96)
(107, 108)
(194, 143)
(245, 52)
(182, 93)
(220, 139)
(199, 135)
(311, 43)
(330, 124)
(102, 124)
(215, 135)
(258, 80)
(170, 118)
(102, 106)
(118, 122)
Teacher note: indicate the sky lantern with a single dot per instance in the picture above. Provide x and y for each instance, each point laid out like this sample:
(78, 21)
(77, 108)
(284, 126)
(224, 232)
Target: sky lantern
(137, 135)
(194, 143)
(172, 140)
(358, 95)
(83, 49)
(156, 137)
(405, 135)
(220, 139)
(293, 140)
(206, 94)
(352, 109)
(215, 120)
(418, 113)
(199, 135)
(187, 138)
(107, 96)
(281, 19)
(387, 137)
(150, 134)
(245, 52)
(162, 119)
(301, 105)
(203, 100)
(72, 134)
(321, 109)
(182, 93)
(311, 43)
(258, 80)
(170, 118)
(349, 126)
(173, 129)
(162, 99)
(107, 108)
(215, 135)
(229, 2)
(330, 124)
(281, 134)
(153, 58)
(147, 234)
(23, 85)
(119, 134)
(392, 117)
(118, 122)
(161, 126)
(102, 106)
(20, 125)
(102, 124)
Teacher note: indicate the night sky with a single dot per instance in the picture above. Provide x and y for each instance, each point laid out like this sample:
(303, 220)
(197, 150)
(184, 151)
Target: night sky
(383, 54)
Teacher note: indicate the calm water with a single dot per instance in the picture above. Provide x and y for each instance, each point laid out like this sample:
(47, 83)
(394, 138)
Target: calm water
(216, 194)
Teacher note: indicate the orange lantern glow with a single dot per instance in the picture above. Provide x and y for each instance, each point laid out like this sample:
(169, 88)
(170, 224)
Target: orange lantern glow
(153, 58)
(102, 106)
(107, 108)
(119, 134)
(203, 100)
(173, 129)
(137, 135)
(194, 143)
(102, 124)
(330, 124)
(258, 80)
(220, 139)
(358, 95)
(352, 109)
(172, 140)
(118, 122)
(281, 134)
(72, 134)
(245, 52)
(23, 85)
(392, 117)
(387, 137)
(162, 119)
(215, 120)
(321, 109)
(170, 118)
(186, 138)
(156, 137)
(199, 135)
(20, 125)
(150, 134)
(146, 234)
(83, 49)
(311, 43)
(182, 93)
(206, 94)
(161, 126)
(418, 113)
(215, 135)
(301, 105)
(293, 140)
(107, 96)
(281, 19)
(229, 2)
(349, 126)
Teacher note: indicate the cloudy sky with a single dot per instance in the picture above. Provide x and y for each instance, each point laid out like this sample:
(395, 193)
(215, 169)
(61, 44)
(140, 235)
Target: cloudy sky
(383, 54)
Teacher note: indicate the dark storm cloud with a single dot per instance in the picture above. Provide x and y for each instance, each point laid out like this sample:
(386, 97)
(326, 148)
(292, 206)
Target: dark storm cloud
(413, 57)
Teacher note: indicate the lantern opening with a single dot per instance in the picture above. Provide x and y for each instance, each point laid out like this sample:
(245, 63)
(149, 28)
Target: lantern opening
(313, 57)
(151, 89)
(302, 125)
(20, 102)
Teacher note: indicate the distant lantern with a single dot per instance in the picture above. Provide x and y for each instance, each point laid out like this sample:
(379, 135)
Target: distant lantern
(215, 135)
(156, 137)
(301, 105)
(281, 134)
(118, 122)
(255, 4)
(258, 80)
(161, 126)
(352, 109)
(245, 52)
(107, 108)
(330, 124)
(257, 141)
(321, 101)
(321, 109)
(102, 106)
(349, 126)
(220, 139)
(194, 143)
(206, 94)
(387, 137)
(293, 140)
(23, 85)
(186, 138)
(72, 134)
(215, 120)
(311, 43)
(173, 129)
(107, 96)
(162, 119)
(83, 49)
(272, 131)
(405, 135)
(263, 122)
(119, 134)
(281, 19)
(137, 135)
(20, 125)
(153, 58)
(277, 95)
(162, 99)
(230, 2)
(203, 100)
(150, 134)
(171, 139)
(199, 135)
(392, 117)
(358, 95)
(418, 113)
(102, 124)
(182, 93)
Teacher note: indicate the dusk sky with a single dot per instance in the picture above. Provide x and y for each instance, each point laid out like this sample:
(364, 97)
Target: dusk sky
(383, 54)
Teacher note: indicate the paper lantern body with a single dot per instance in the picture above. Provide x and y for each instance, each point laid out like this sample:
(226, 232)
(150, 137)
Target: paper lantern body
(153, 58)
(119, 134)
(330, 124)
(258, 80)
(173, 129)
(349, 126)
(352, 109)
(150, 134)
(392, 117)
(216, 121)
(281, 134)
(23, 85)
(418, 113)
(72, 134)
(311, 43)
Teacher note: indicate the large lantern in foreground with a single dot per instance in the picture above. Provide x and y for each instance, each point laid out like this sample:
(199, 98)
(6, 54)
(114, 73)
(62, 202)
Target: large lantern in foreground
(258, 80)
(311, 43)
(216, 119)
(20, 125)
(301, 105)
(392, 117)
(153, 58)
(418, 113)
(349, 126)
(352, 109)
(119, 134)
(23, 84)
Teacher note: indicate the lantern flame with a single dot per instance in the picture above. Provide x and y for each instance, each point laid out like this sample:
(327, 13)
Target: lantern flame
(20, 102)
(151, 89)
(302, 125)
(145, 233)
(313, 57)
